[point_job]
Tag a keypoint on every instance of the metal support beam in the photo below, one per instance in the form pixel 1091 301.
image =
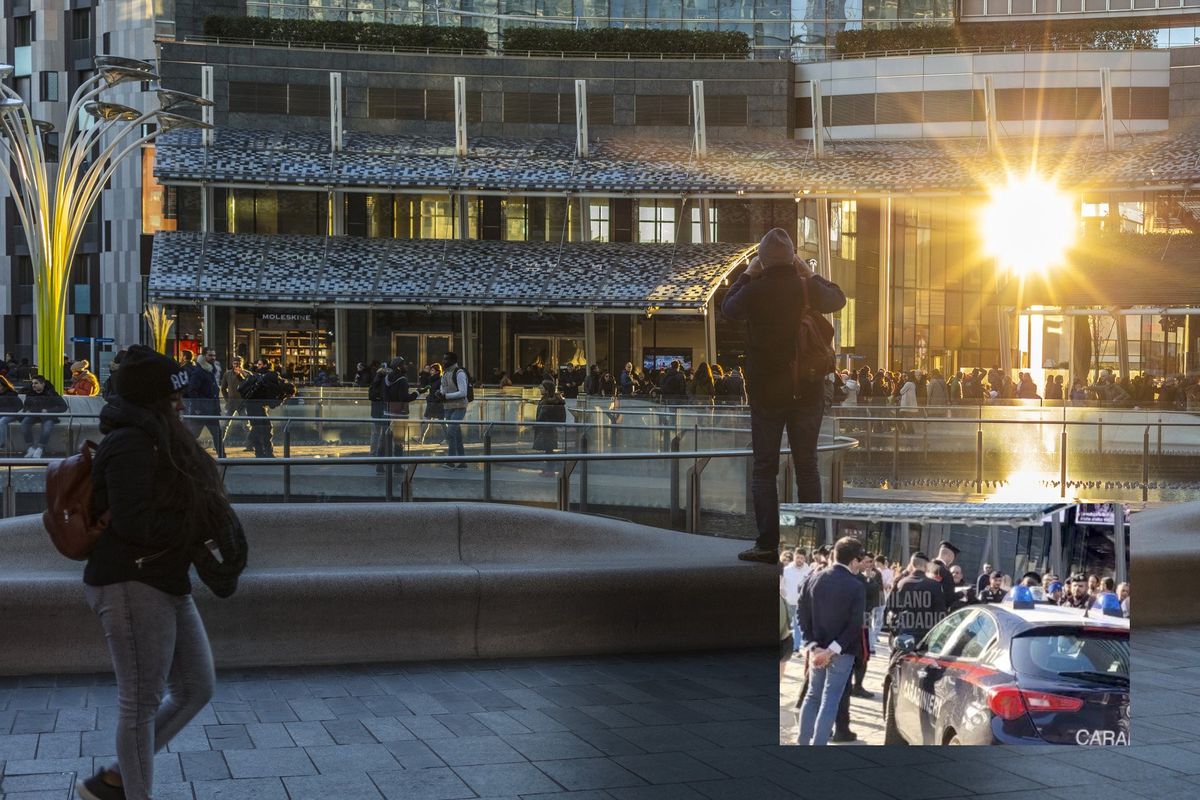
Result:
pixel 336 138
pixel 341 348
pixel 990 115
pixel 589 337
pixel 818 119
pixel 994 544
pixel 581 120
pixel 699 132
pixel 1106 109
pixel 885 283
pixel 710 335
pixel 206 207
pixel 706 231
pixel 1122 342
pixel 462 208
pixel 206 112
pixel 337 213
pixel 1056 555
pixel 1119 542
pixel 1005 338
pixel 460 117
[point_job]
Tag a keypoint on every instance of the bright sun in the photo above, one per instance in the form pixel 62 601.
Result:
pixel 1028 224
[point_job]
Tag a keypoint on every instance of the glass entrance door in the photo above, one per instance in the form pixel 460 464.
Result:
pixel 421 348
pixel 541 353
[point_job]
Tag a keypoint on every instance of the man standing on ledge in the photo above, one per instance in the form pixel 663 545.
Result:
pixel 769 298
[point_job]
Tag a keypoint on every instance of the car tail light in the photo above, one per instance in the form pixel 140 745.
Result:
pixel 1010 702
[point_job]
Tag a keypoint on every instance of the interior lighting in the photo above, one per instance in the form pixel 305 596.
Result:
pixel 1028 225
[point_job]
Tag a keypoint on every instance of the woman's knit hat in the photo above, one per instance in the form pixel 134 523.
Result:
pixel 147 376
pixel 776 249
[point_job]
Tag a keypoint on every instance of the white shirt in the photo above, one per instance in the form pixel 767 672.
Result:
pixel 793 576
pixel 886 574
pixel 908 395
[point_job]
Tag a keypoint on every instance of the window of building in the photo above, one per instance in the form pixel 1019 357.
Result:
pixel 662 109
pixel 81 24
pixel 251 97
pixel 384 102
pixel 23 31
pixel 843 228
pixel 49 87
pixel 656 221
pixel 697 231
pixel 725 109
pixel 439 105
pixel 516 218
pixel 437 217
pixel 24 270
pixel 598 221
pixel 537 108
pixel 308 100
pixel 600 109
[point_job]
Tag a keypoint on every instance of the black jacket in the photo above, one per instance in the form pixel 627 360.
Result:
pixel 395 392
pixel 673 385
pixel 771 306
pixel 916 605
pixel 124 479
pixel 47 402
pixel 10 403
pixel 549 409
pixel 942 574
pixel 831 608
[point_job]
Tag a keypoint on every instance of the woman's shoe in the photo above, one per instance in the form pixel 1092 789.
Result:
pixel 29 452
pixel 37 452
pixel 94 788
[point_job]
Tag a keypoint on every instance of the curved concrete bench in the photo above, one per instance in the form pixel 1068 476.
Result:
pixel 1163 563
pixel 331 583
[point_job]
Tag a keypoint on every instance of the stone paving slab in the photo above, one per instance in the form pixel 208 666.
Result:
pixel 696 725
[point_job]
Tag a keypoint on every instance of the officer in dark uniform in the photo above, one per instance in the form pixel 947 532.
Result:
pixel 994 593
pixel 1077 597
pixel 918 601
pixel 941 571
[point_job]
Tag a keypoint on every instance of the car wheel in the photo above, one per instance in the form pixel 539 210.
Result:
pixel 891 734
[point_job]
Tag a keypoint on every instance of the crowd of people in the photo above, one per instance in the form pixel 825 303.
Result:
pixel 916 388
pixel 837 602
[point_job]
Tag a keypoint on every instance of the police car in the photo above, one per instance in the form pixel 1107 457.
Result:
pixel 1019 672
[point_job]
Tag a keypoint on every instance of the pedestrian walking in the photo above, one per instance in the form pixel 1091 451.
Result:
pixel 551 408
pixel 455 395
pixel 777 295
pixel 234 405
pixel 164 496
pixel 203 392
pixel 395 397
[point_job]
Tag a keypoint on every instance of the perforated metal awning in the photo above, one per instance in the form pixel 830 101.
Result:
pixel 349 271
pixel 1012 515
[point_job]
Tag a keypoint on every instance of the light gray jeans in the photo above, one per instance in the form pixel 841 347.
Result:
pixel 156 640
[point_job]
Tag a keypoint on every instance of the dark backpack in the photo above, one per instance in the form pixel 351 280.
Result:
pixel 814 358
pixel 68 515
pixel 249 388
pixel 220 559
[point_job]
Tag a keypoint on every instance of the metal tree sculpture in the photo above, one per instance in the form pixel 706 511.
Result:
pixel 160 326
pixel 55 202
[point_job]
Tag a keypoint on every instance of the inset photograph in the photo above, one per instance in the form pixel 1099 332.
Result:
pixel 954 624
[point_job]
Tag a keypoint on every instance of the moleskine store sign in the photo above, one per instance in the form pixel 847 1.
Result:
pixel 286 320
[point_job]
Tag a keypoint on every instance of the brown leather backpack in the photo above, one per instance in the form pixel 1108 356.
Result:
pixel 814 358
pixel 68 516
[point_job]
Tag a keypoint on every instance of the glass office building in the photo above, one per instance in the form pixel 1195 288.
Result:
pixel 799 29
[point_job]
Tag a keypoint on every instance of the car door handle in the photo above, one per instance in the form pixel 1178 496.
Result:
pixel 933 669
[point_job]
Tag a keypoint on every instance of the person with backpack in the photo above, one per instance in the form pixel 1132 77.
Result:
pixel 42 398
pixel 455 393
pixel 789 351
pixel 264 389
pixel 552 407
pixel 394 397
pixel 164 501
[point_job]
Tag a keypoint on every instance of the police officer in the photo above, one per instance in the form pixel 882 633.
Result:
pixel 1078 596
pixel 940 570
pixel 918 601
pixel 994 591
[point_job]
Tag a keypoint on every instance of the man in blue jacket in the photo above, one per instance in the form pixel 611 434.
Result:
pixel 830 614
pixel 769 298
pixel 203 395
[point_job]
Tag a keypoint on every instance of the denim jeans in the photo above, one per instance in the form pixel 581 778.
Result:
pixel 4 423
pixel 155 640
pixel 454 437
pixel 47 428
pixel 796 637
pixel 876 625
pixel 825 689
pixel 803 426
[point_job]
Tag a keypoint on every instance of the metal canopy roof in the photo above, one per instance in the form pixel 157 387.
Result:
pixel 349 271
pixel 1012 515
pixel 374 162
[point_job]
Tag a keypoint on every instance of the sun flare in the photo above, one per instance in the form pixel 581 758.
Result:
pixel 1028 224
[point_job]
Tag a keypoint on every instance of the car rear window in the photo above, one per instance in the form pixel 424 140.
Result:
pixel 1049 653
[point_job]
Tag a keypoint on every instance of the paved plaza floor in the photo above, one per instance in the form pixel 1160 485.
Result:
pixel 592 728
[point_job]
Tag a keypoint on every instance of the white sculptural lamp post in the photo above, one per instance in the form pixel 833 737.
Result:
pixel 55 201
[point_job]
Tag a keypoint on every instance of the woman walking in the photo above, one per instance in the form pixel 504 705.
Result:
pixel 164 495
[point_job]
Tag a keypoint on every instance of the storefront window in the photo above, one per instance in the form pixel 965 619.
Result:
pixel 697 229
pixel 274 212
